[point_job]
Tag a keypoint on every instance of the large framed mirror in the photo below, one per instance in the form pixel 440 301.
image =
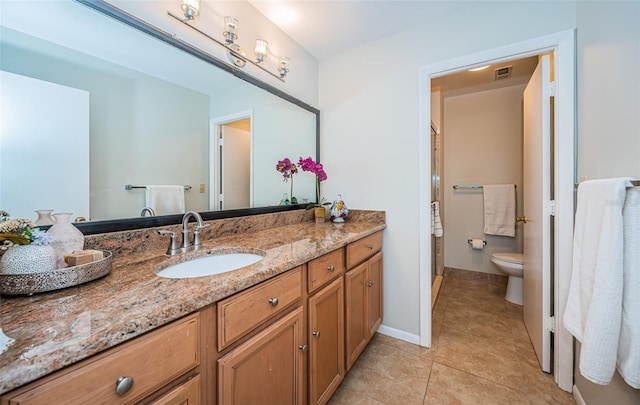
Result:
pixel 101 121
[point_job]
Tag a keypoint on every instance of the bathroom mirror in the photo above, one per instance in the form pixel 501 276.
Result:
pixel 149 122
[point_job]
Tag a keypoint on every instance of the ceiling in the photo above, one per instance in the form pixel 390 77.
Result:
pixel 328 27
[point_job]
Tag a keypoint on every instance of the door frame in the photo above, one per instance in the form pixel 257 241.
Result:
pixel 215 125
pixel 563 44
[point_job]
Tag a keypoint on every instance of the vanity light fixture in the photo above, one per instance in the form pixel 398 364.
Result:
pixel 190 8
pixel 283 67
pixel 235 53
pixel 230 29
pixel 261 50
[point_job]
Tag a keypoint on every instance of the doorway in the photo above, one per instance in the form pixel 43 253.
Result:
pixel 230 179
pixel 563 178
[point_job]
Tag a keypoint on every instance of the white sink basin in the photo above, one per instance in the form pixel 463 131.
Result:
pixel 210 265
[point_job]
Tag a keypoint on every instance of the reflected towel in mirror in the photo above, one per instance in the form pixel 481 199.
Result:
pixel 165 200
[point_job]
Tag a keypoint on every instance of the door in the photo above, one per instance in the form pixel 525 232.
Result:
pixel 46 119
pixel 326 341
pixel 536 207
pixel 235 167
pixel 267 369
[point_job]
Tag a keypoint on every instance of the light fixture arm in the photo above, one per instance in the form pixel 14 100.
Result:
pixel 231 50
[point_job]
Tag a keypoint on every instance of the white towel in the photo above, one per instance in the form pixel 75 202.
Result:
pixel 629 345
pixel 594 305
pixel 165 200
pixel 436 224
pixel 499 209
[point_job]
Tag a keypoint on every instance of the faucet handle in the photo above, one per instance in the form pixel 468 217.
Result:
pixel 173 248
pixel 196 235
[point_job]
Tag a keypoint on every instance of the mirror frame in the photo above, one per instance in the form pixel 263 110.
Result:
pixel 106 226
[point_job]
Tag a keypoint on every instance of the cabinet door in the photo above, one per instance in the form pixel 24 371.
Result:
pixel 357 331
pixel 374 294
pixel 326 341
pixel 187 393
pixel 266 369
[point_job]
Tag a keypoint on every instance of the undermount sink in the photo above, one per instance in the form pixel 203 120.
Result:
pixel 215 263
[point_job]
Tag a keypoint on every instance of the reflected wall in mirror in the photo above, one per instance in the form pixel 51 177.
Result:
pixel 152 117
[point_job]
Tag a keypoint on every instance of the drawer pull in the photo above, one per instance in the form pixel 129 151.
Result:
pixel 123 385
pixel 370 283
pixel 370 247
pixel 303 347
pixel 316 334
pixel 273 301
pixel 331 268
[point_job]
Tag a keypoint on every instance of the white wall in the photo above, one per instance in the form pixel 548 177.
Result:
pixel 369 102
pixel 482 135
pixel 608 122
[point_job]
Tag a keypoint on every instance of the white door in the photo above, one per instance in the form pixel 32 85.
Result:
pixel 537 238
pixel 235 145
pixel 47 119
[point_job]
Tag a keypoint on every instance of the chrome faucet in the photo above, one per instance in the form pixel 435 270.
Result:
pixel 148 210
pixel 186 243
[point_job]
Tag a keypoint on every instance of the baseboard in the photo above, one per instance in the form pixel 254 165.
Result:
pixel 399 334
pixel 577 396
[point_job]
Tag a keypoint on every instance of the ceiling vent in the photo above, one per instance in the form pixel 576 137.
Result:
pixel 502 73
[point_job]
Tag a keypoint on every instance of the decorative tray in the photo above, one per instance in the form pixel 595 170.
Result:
pixel 18 284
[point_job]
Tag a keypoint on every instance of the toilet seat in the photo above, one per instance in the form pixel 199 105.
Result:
pixel 515 258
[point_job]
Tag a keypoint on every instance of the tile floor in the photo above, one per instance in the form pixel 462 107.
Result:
pixel 481 354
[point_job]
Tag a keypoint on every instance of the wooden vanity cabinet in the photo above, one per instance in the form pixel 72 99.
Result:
pixel 268 368
pixel 326 325
pixel 262 343
pixel 363 294
pixel 287 340
pixel 150 362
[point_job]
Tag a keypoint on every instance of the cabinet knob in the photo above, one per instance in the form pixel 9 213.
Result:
pixel 370 247
pixel 304 348
pixel 316 334
pixel 273 301
pixel 370 283
pixel 123 385
pixel 331 268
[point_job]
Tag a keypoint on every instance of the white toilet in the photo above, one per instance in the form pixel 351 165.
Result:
pixel 511 265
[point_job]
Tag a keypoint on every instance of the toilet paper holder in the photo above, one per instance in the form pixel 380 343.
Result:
pixel 470 241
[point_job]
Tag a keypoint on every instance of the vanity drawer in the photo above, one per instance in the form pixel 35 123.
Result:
pixel 241 313
pixel 364 248
pixel 325 268
pixel 152 360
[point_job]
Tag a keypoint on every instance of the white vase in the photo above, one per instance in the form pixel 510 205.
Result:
pixel 25 259
pixel 66 238
pixel 44 217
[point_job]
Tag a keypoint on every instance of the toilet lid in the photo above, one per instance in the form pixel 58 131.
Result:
pixel 510 257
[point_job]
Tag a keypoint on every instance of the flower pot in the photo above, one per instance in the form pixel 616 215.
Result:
pixel 319 214
pixel 25 259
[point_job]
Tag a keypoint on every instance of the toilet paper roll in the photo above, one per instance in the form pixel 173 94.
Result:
pixel 477 244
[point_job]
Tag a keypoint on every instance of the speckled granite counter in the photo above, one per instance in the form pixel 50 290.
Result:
pixel 51 330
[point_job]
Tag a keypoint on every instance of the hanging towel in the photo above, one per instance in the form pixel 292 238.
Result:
pixel 629 346
pixel 165 200
pixel 500 209
pixel 594 305
pixel 436 224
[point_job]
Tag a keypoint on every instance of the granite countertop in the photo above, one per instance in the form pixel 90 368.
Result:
pixel 47 331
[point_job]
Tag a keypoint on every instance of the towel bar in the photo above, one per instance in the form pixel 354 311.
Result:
pixel 456 187
pixel 130 187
